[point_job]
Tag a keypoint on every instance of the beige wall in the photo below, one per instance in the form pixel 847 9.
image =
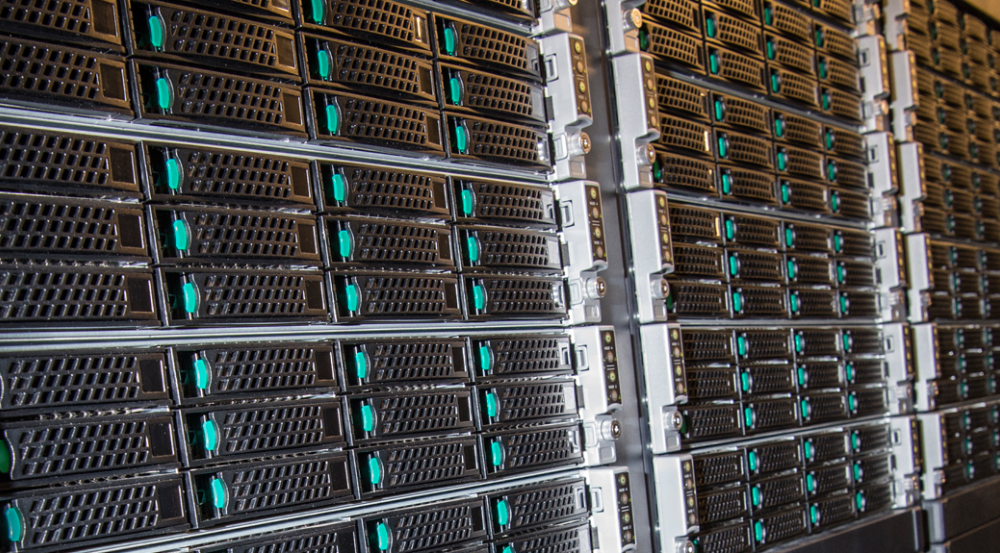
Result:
pixel 990 7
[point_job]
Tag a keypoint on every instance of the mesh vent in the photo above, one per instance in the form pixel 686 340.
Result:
pixel 788 21
pixel 78 514
pixel 824 407
pixel 251 369
pixel 730 539
pixel 722 468
pixel 807 238
pixel 812 302
pixel 518 403
pixel 479 44
pixel 792 86
pixel 754 265
pixel 677 133
pixel 492 94
pixel 764 344
pixel 765 379
pixel 838 73
pixel 61 448
pixel 512 356
pixel 839 9
pixel 404 361
pixel 751 185
pixel 260 427
pixel 65 162
pixel 752 230
pixel 516 297
pixel 674 12
pixel 533 446
pixel 747 8
pixel 879 496
pixel 501 201
pixel 702 422
pixel 250 295
pixel 785 525
pixel 257 488
pixel 381 189
pixel 817 342
pixel 777 456
pixel 219 40
pixel 516 8
pixel 819 374
pixel 362 67
pixel 341 538
pixel 701 345
pixel 678 96
pixel 671 46
pixel 560 540
pixel 760 301
pixel 827 447
pixel 734 31
pixel 780 491
pixel 228 175
pixel 683 171
pixel 712 383
pixel 800 162
pixel 743 149
pixel 803 195
pixel 81 21
pixel 869 469
pixel 833 510
pixel 855 243
pixel 841 104
pixel 398 295
pixel 38 224
pixel 738 112
pixel 847 173
pixel 831 478
pixel 795 128
pixel 695 223
pixel 387 243
pixel 236 234
pixel 738 68
pixel 64 77
pixel 51 381
pixel 379 20
pixel 498 141
pixel 869 401
pixel 855 205
pixel 220 99
pixel 419 463
pixel 790 53
pixel 52 294
pixel 541 505
pixel 719 505
pixel 376 122
pixel 691 260
pixel 694 298
pixel 409 414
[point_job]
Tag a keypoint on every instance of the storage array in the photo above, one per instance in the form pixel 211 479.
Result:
pixel 945 120
pixel 289 276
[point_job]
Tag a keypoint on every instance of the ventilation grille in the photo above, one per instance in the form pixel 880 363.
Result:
pixel 777 456
pixel 722 505
pixel 743 113
pixel 79 514
pixel 780 491
pixel 782 526
pixel 759 301
pixel 419 464
pixel 250 295
pixel 808 238
pixel 706 344
pixel 515 356
pixel 827 447
pixel 712 470
pixel 869 401
pixel 703 422
pixel 81 21
pixel 560 540
pixel 100 444
pixel 376 122
pixel 753 230
pixel 730 539
pixel 675 12
pixel 379 20
pixel 679 133
pixel 517 297
pixel 209 98
pixel 680 97
pixel 491 47
pixel 39 224
pixel 735 32
pixel 517 403
pixel 803 195
pixel 739 69
pixel 228 175
pixel 813 303
pixel 834 510
pixel 515 8
pixel 824 407
pixel 847 173
pixel 66 162
pixel 842 104
pixel 58 76
pixel 51 381
pixel 399 295
pixel 751 185
pixel 404 361
pixel 765 379
pixel 691 260
pixel 764 344
pixel 500 201
pixel 800 162
pixel 380 189
pixel 341 538
pixel 754 265
pixel 387 243
pixel 534 446
pixel 851 204
pixel 711 383
pixel 831 478
pixel 683 171
pixel 672 46
pixel 542 505
pixel 743 149
pixel 697 299
pixel 809 269
pixel 279 426
pixel 492 94
pixel 502 142
pixel 236 234
pixel 75 295
pixel 790 54
pixel 695 223
pixel 412 414
pixel 794 128
pixel 788 21
pixel 362 67
pixel 251 369
pixel 792 86
pixel 771 414
pixel 819 374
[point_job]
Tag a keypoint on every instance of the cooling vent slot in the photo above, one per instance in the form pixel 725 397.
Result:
pixel 670 46
pixel 565 538
pixel 711 383
pixel 729 539
pixel 209 99
pixel 732 31
pixel 816 375
pixel 75 295
pixel 762 344
pixel 698 261
pixel 838 73
pixel 86 445
pixel 838 9
pixel 856 205
pixel 676 96
pixel 499 296
pixel 697 299
pixel 31 159
pixel 879 496
pixel 746 8
pixel 674 12
pixel 759 302
pixel 382 21
pixel 177 173
pixel 812 303
pixel 740 113
pixel 722 468
pixel 501 202
pixel 873 468
pixel 766 379
pixel 48 381
pixel 63 78
pixel 516 403
pixel 710 421
pixel 804 195
pixel 491 95
pixel 678 133
pixel 788 21
pixel 776 457
pixel 280 484
pixel 753 265
pixel 829 478
pixel 92 23
pixel 868 401
pixel 831 511
pixel 846 173
pixel 701 345
pixel 362 119
pixel 789 53
pixel 719 505
pixel 817 408
pixel 857 303
pixel 43 225
pixel 211 38
pixel 795 128
pixel 747 184
pixel 86 513
pixel 782 526
pixel 387 243
pixel 743 149
pixel 221 372
pixel 840 104
pixel 508 8
pixel 539 505
pixel 364 68
pixel 529 447
pixel 358 187
pixel 340 538
pixel 790 85
pixel 797 161
pixel 779 491
pixel 754 231
pixel 396 295
pixel 253 428
pixel 192 233
pixel 845 143
pixel 683 171
pixel 397 362
pixel 509 249
pixel 766 415
pixel 417 464
pixel 487 47
pixel 523 355
pixel 390 416
pixel 803 237
pixel 809 269
pixel 736 68
pixel 695 223
pixel 496 141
